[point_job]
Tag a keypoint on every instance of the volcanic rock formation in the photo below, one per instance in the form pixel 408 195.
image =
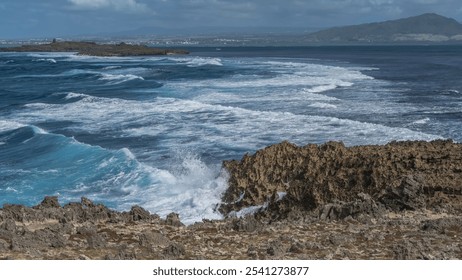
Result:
pixel 398 176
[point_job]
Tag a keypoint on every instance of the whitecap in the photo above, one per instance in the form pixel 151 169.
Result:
pixel 119 78
pixel 50 54
pixel 193 191
pixel 422 121
pixel 51 60
pixel 323 105
pixel 198 61
pixel 10 125
pixel 72 95
pixel 322 88
pixel 112 67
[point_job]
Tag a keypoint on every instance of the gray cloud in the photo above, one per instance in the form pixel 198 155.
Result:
pixel 58 17
pixel 131 6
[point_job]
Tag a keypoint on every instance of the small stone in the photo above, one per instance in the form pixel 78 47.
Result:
pixel 275 248
pixel 174 250
pixel 8 225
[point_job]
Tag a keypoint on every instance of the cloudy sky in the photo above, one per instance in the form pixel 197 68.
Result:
pixel 60 18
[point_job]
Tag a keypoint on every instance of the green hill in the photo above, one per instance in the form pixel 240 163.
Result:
pixel 423 28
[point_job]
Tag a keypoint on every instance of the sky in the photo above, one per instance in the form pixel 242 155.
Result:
pixel 23 19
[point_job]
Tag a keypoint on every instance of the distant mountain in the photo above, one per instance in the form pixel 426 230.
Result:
pixel 426 28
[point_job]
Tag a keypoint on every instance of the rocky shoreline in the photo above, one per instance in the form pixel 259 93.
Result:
pixel 93 49
pixel 402 200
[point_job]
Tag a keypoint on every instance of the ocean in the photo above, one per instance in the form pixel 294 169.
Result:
pixel 153 131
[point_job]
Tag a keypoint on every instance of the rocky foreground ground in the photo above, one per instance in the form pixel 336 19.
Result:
pixel 402 200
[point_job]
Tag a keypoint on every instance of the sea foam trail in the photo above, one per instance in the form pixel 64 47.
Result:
pixel 198 61
pixel 219 126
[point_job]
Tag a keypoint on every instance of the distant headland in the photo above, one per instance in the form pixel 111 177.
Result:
pixel 94 49
pixel 426 28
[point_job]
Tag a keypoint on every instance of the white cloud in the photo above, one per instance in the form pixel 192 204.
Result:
pixel 119 5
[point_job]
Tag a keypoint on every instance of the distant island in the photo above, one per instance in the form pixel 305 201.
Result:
pixel 426 28
pixel 94 49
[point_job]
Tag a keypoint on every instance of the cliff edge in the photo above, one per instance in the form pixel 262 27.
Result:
pixel 397 176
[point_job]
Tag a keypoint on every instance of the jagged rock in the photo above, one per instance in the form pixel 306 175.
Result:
pixel 443 225
pixel 408 195
pixel 247 224
pixel 124 254
pixel 87 202
pixel 84 258
pixel 275 248
pixel 4 245
pixel 174 250
pixel 8 225
pixel 148 239
pixel 39 239
pixel 18 213
pixel 408 250
pixel 90 234
pixel 49 202
pixel 137 213
pixel 173 219
pixel 96 241
pixel 296 248
pixel 364 205
pixel 252 252
pixel 401 175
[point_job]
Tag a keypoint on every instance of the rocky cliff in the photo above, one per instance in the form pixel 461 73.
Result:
pixel 399 176
pixel 402 200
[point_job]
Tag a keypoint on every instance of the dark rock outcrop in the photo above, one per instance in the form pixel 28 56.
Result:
pixel 331 177
pixel 91 48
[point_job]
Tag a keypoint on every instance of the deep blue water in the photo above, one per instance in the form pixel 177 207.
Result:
pixel 154 130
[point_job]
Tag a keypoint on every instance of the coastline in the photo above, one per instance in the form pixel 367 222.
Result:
pixel 401 200
pixel 94 49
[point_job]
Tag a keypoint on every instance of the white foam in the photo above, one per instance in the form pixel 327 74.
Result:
pixel 323 105
pixel 181 120
pixel 50 54
pixel 422 121
pixel 51 60
pixel 119 78
pixel 194 192
pixel 72 95
pixel 112 67
pixel 198 61
pixel 128 153
pixel 322 88
pixel 313 78
pixel 10 125
pixel 453 91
